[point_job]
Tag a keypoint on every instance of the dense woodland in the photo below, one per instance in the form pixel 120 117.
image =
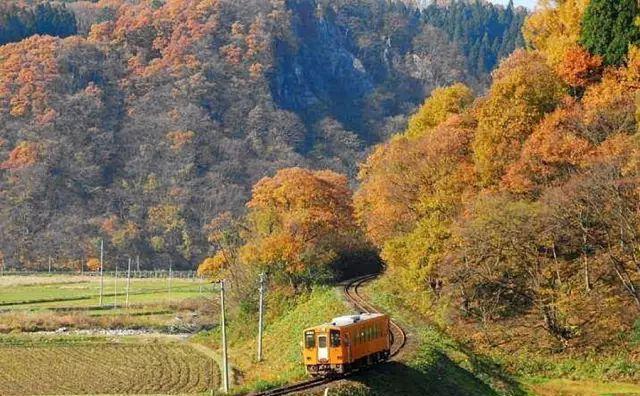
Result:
pixel 515 216
pixel 511 219
pixel 156 117
pixel 19 21
pixel 506 214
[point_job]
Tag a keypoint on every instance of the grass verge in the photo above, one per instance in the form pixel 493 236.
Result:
pixel 282 362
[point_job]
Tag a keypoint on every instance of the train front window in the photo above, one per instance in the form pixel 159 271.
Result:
pixel 322 342
pixel 335 338
pixel 310 339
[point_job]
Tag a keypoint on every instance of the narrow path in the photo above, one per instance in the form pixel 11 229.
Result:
pixel 212 355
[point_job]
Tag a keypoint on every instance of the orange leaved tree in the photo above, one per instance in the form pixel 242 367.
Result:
pixel 93 264
pixel 299 222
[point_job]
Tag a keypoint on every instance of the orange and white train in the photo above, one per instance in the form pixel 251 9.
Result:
pixel 346 343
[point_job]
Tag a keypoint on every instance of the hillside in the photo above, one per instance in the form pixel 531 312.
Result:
pixel 153 117
pixel 510 220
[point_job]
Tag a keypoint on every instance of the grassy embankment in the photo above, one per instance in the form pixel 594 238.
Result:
pixel 441 365
pixel 286 319
pixel 433 365
pixel 35 303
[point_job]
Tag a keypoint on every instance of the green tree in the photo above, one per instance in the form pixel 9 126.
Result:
pixel 608 27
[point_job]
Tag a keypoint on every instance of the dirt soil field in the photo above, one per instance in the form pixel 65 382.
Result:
pixel 134 365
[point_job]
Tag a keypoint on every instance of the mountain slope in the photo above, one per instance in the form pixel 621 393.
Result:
pixel 162 114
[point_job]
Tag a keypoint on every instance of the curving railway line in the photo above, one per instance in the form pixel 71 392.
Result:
pixel 352 293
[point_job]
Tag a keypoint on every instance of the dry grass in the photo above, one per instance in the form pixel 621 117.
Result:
pixel 559 387
pixel 182 316
pixel 26 280
pixel 78 366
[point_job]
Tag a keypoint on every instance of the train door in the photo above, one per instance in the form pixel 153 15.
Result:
pixel 323 347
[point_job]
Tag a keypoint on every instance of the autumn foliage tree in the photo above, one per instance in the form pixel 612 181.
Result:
pixel 555 28
pixel 93 264
pixel 524 89
pixel 579 68
pixel 411 189
pixel 515 217
pixel 299 222
pixel 442 103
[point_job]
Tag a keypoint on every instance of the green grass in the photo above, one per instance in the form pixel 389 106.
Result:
pixel 63 291
pixel 282 352
pixel 49 302
pixel 619 366
pixel 96 365
pixel 438 364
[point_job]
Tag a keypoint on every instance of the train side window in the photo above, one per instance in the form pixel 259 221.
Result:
pixel 335 338
pixel 310 339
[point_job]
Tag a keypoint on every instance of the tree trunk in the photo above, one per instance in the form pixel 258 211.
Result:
pixel 587 276
pixel 627 282
pixel 560 332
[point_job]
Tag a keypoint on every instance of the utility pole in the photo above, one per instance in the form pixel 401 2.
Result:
pixel 115 288
pixel 101 270
pixel 225 363
pixel 49 264
pixel 126 302
pixel 138 263
pixel 170 275
pixel 260 315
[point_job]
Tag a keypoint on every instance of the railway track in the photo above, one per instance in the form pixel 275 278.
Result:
pixel 351 292
pixel 298 387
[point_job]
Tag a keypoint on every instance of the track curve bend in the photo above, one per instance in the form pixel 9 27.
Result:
pixel 352 293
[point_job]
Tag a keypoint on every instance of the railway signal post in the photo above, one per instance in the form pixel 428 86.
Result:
pixel 260 315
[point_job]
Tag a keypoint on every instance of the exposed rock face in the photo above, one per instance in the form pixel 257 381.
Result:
pixel 320 74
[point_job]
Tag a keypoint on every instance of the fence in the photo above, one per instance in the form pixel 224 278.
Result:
pixel 121 273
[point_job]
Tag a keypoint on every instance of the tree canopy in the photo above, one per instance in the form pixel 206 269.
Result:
pixel 152 118
pixel 609 27
pixel 514 216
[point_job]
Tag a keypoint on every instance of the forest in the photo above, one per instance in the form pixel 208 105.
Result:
pixel 142 123
pixel 272 136
pixel 510 219
pixel 515 215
